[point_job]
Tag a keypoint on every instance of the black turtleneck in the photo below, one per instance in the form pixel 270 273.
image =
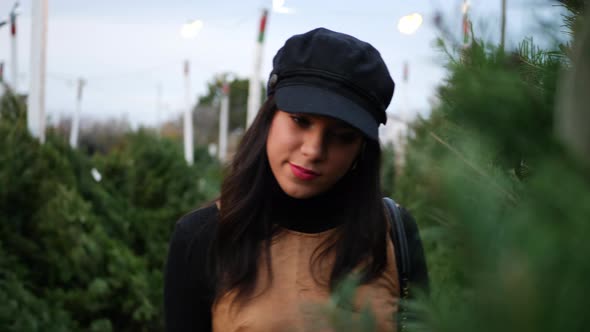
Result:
pixel 311 215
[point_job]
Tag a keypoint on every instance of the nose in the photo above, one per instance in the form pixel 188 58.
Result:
pixel 314 145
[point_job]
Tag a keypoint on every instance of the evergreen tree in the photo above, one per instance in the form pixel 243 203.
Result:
pixel 502 201
pixel 77 254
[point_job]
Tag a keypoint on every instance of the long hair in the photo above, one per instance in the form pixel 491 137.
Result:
pixel 245 228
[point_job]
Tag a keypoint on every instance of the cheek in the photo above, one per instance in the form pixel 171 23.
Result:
pixel 279 141
pixel 343 159
pixel 340 162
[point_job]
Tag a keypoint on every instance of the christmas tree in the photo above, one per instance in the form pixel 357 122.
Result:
pixel 499 180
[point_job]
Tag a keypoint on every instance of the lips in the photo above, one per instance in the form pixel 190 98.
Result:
pixel 303 173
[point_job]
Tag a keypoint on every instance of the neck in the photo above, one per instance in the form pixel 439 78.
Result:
pixel 311 215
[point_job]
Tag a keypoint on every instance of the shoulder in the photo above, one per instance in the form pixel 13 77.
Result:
pixel 404 214
pixel 194 229
pixel 412 230
pixel 410 225
pixel 407 215
pixel 198 220
pixel 191 238
pixel 187 289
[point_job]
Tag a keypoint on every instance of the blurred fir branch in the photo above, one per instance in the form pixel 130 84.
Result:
pixel 82 255
pixel 499 263
pixel 574 15
pixel 572 115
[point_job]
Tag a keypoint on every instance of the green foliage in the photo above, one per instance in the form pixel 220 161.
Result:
pixel 572 20
pixel 76 254
pixel 388 168
pixel 502 204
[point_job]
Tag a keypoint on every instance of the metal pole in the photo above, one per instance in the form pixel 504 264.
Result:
pixel 224 122
pixel 399 143
pixel 406 86
pixel 188 121
pixel 254 89
pixel 158 108
pixel 36 98
pixel 503 26
pixel 466 26
pixel 14 58
pixel 1 79
pixel 76 119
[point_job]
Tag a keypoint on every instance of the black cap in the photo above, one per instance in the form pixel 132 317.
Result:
pixel 333 74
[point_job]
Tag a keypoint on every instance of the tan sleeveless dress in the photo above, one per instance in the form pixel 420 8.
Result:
pixel 291 302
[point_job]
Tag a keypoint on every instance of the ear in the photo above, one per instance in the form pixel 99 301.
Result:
pixel 359 156
pixel 362 150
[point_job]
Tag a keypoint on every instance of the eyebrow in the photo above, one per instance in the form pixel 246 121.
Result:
pixel 334 123
pixel 339 124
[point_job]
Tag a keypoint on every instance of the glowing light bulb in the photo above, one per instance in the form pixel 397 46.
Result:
pixel 191 30
pixel 278 6
pixel 410 23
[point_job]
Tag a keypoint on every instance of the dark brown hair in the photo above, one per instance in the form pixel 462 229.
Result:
pixel 245 228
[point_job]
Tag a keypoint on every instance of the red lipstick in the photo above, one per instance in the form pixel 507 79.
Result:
pixel 303 173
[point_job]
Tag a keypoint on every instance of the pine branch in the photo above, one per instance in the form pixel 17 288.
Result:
pixel 475 168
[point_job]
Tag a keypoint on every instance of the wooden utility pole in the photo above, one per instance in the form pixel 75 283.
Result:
pixel 503 26
pixel 75 128
pixel 188 117
pixel 254 90
pixel 224 121
pixel 36 98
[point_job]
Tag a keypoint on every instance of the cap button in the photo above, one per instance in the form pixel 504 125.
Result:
pixel 273 80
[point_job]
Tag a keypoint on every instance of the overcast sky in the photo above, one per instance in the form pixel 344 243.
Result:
pixel 125 49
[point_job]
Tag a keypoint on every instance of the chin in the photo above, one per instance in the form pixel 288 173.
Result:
pixel 296 191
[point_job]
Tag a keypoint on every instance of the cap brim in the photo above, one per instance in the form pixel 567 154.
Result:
pixel 314 100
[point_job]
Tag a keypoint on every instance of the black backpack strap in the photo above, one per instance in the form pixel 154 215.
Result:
pixel 400 245
pixel 409 252
pixel 409 255
pixel 418 278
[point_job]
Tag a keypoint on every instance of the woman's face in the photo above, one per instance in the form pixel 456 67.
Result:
pixel 308 154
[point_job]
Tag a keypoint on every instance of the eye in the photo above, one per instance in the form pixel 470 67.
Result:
pixel 300 120
pixel 346 137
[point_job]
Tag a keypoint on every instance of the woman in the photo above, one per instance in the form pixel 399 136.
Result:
pixel 301 208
